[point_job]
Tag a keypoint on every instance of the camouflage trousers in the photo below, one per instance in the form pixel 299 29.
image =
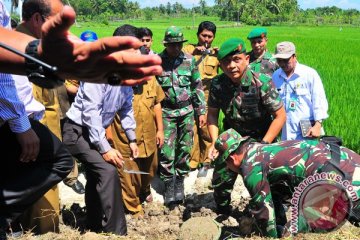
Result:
pixel 223 183
pixel 178 139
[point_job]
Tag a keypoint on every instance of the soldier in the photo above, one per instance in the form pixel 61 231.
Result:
pixel 251 105
pixel 261 60
pixel 181 83
pixel 287 165
pixel 208 65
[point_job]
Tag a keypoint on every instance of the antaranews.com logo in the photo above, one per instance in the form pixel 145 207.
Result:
pixel 321 203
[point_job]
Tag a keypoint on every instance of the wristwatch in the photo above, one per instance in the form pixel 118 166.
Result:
pixel 320 121
pixel 37 73
pixel 264 142
pixel 132 141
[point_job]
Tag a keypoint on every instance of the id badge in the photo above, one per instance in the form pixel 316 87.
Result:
pixel 292 104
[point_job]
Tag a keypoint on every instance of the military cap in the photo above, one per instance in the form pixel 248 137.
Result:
pixel 88 36
pixel 173 34
pixel 231 46
pixel 284 50
pixel 227 143
pixel 257 33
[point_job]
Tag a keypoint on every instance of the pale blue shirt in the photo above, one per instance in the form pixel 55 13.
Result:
pixel 304 87
pixel 95 106
pixel 12 110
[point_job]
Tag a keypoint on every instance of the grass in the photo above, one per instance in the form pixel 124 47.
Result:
pixel 332 51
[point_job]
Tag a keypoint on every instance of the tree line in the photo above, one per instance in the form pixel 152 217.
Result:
pixel 249 12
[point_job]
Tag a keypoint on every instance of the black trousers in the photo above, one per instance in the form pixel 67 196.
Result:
pixel 104 204
pixel 22 184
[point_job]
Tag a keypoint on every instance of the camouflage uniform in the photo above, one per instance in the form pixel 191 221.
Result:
pixel 181 83
pixel 208 66
pixel 266 168
pixel 265 64
pixel 247 109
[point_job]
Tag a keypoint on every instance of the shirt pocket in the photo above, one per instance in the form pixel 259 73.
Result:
pixel 210 67
pixel 165 80
pixel 184 79
pixel 302 91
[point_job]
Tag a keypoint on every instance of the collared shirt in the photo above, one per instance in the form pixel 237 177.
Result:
pixel 248 107
pixel 305 92
pixel 95 107
pixel 146 96
pixel 265 64
pixel 12 110
pixel 181 82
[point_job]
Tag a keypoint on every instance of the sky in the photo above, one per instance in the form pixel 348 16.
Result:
pixel 304 4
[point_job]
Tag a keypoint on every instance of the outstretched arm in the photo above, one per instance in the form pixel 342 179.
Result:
pixel 75 59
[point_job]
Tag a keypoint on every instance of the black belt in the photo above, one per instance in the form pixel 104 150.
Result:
pixel 170 105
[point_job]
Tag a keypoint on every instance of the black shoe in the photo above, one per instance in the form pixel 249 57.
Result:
pixel 179 189
pixel 169 195
pixel 78 187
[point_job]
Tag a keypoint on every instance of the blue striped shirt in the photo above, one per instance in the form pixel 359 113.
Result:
pixel 95 106
pixel 12 110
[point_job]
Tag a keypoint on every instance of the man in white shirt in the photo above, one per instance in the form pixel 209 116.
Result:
pixel 303 94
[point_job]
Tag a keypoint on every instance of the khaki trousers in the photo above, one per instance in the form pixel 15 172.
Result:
pixel 134 185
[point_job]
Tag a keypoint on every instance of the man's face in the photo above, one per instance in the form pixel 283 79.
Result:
pixel 37 20
pixel 234 66
pixel 205 38
pixel 173 49
pixel 147 41
pixel 258 45
pixel 287 65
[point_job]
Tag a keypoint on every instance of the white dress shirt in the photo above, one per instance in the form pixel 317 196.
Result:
pixel 305 91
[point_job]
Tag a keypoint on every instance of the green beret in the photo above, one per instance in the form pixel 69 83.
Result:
pixel 227 143
pixel 232 45
pixel 257 33
pixel 173 34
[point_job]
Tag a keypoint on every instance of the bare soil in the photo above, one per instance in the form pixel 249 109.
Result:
pixel 191 220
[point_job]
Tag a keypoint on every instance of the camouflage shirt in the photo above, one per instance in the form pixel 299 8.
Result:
pixel 265 64
pixel 247 107
pixel 265 166
pixel 181 82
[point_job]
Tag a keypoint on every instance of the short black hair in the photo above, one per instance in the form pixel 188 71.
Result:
pixel 126 30
pixel 30 7
pixel 207 25
pixel 144 32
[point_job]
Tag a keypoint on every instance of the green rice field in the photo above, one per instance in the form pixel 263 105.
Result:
pixel 333 51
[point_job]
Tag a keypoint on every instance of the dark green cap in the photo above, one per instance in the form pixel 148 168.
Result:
pixel 257 33
pixel 231 46
pixel 173 34
pixel 227 143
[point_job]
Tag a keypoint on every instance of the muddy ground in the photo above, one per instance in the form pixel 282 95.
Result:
pixel 195 219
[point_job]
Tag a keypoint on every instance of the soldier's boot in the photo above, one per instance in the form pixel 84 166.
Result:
pixel 169 195
pixel 179 189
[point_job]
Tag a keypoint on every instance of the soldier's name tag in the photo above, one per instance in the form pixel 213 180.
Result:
pixel 292 104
